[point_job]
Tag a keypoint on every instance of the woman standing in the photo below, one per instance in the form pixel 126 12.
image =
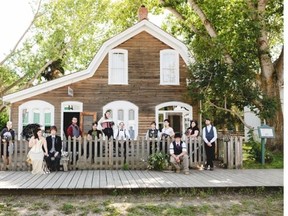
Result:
pixel 193 130
pixel 106 124
pixel 36 153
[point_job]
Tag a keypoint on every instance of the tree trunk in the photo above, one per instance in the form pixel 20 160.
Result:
pixel 269 78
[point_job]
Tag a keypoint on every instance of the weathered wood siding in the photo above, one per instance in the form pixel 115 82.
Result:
pixel 144 89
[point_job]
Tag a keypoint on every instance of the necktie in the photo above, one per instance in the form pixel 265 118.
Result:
pixel 53 143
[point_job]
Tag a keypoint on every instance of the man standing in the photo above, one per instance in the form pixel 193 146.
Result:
pixel 54 145
pixel 73 130
pixel 209 137
pixel 178 154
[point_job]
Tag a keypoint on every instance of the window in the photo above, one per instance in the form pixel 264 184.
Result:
pixel 127 112
pixel 169 67
pixel 121 115
pixel 36 116
pixel 118 67
pixel 36 111
pixel 131 115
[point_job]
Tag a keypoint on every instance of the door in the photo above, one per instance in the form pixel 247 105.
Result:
pixel 175 121
pixel 67 120
pixel 86 120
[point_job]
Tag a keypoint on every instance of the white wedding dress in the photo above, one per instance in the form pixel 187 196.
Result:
pixel 37 155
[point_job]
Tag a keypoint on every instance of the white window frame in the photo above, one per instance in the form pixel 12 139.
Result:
pixel 187 113
pixel 176 66
pixel 31 106
pixel 110 64
pixel 126 106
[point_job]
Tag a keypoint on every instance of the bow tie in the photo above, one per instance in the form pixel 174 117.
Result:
pixel 121 129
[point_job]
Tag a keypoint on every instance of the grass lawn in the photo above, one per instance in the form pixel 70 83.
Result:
pixel 277 162
pixel 189 202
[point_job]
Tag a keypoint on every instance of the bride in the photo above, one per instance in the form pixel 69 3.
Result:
pixel 36 153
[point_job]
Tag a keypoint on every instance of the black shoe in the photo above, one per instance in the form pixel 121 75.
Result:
pixel 205 168
pixel 211 169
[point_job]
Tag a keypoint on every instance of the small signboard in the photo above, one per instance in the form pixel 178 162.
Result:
pixel 70 91
pixel 266 131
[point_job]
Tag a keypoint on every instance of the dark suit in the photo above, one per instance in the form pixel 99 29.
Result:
pixel 53 162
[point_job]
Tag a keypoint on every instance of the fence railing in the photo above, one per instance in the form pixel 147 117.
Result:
pixel 118 154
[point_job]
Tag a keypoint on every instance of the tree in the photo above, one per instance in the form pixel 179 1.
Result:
pixel 231 42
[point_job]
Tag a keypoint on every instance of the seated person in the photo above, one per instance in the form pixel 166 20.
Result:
pixel 54 146
pixel 178 154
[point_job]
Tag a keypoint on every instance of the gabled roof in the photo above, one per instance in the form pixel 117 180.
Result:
pixel 141 26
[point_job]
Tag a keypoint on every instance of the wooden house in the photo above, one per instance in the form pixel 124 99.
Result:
pixel 140 74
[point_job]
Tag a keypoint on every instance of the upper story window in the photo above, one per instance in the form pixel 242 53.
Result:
pixel 118 67
pixel 169 67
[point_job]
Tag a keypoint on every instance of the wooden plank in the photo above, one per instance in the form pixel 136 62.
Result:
pixel 132 182
pixel 74 180
pixel 102 180
pixel 4 174
pixel 68 179
pixel 145 182
pixel 89 179
pixel 8 180
pixel 170 179
pixel 96 179
pixel 60 180
pixel 117 180
pixel 23 177
pixel 147 179
pixel 32 180
pixel 124 179
pixel 110 179
pixel 82 179
pixel 137 179
pixel 49 180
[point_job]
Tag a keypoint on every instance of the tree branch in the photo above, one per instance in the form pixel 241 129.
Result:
pixel 177 15
pixel 23 35
pixel 209 27
pixel 232 112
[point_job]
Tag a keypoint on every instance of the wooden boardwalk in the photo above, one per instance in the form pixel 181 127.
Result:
pixel 101 180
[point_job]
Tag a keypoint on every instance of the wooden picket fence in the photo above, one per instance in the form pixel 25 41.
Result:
pixel 120 154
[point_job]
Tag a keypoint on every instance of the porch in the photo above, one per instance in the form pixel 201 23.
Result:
pixel 109 181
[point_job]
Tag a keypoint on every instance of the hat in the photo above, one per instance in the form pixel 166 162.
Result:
pixel 177 135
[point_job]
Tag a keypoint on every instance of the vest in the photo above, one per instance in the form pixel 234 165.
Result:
pixel 153 133
pixel 124 130
pixel 178 150
pixel 76 131
pixel 210 134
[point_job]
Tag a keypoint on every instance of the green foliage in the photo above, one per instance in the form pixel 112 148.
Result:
pixel 3 119
pixel 254 150
pixel 158 161
pixel 67 208
pixel 125 166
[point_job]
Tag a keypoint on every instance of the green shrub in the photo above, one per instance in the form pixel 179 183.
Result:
pixel 158 161
pixel 254 150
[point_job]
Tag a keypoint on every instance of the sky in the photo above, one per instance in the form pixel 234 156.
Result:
pixel 15 17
